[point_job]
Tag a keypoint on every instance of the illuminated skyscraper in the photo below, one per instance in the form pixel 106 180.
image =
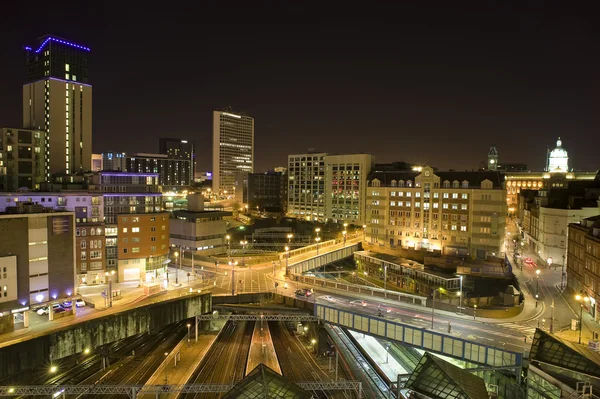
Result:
pixel 233 148
pixel 57 99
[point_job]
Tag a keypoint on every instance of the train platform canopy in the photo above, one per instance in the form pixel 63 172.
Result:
pixel 262 382
pixel 436 378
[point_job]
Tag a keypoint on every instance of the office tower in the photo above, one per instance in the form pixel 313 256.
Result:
pixel 22 159
pixel 178 149
pixel 306 186
pixel 233 149
pixel 57 99
pixel 346 187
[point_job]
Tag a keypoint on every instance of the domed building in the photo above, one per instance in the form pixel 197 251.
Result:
pixel 558 159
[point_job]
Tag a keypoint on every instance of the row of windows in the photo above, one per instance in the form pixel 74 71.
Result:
pixel 93 231
pixel 137 229
pixel 137 249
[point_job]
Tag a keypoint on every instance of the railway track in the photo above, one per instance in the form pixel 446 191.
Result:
pixel 80 369
pixel 294 360
pixel 225 362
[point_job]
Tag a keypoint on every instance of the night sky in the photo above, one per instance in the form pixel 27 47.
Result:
pixel 429 85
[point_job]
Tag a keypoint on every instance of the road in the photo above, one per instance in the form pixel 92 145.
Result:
pixel 260 278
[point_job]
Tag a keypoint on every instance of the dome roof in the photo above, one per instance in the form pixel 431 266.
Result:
pixel 558 159
pixel 558 152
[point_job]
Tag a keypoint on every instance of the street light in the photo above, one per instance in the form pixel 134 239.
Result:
pixel 549 261
pixel 537 285
pixel 581 299
pixel 460 295
pixel 364 231
pixel 317 240
pixel 166 370
pixel 188 334
pixel 344 234
pixel 243 243
pixel 287 257
pixel 433 307
pixel 86 351
pixel 53 369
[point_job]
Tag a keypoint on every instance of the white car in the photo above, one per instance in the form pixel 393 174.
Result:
pixel 55 308
pixel 80 303
pixel 359 303
pixel 327 298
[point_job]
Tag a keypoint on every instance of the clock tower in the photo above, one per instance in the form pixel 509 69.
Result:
pixel 492 159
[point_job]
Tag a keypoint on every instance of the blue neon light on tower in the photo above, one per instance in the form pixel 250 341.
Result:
pixel 57 98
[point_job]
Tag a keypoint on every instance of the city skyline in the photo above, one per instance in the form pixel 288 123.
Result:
pixel 515 79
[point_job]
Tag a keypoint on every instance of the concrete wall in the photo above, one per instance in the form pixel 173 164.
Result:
pixel 98 332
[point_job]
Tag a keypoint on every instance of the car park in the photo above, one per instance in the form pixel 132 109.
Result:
pixel 56 308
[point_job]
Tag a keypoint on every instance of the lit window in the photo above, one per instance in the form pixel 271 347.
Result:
pixel 66 76
pixel 67 67
pixel 464 207
pixel 74 77
pixel 463 228
pixel 135 229
pixel 124 229
pixel 445 195
pixel 465 196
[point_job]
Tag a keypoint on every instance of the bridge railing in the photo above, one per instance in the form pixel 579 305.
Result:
pixel 295 272
pixel 361 289
pixel 421 338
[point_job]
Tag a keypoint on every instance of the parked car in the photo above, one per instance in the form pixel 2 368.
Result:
pixel 80 303
pixel 56 308
pixel 67 304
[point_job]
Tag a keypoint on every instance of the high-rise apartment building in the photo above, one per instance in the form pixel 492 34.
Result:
pixel 179 149
pixel 457 213
pixel 306 186
pixel 233 149
pixel 173 173
pixel 22 159
pixel 346 187
pixel 57 99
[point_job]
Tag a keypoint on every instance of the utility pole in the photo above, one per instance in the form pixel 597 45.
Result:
pixel 433 308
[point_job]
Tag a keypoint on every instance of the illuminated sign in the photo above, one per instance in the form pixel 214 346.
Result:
pixel 232 115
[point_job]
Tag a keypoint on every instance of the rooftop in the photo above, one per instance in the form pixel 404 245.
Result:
pixel 262 382
pixel 473 177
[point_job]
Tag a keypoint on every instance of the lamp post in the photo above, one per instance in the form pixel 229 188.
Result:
pixel 581 299
pixel 384 280
pixel 433 308
pixel 344 234
pixel 166 370
pixel 552 317
pixel 549 261
pixel 233 265
pixel 460 295
pixel 563 274
pixel 364 231
pixel 474 311
pixel 317 240
pixel 537 285
pixel 188 334
pixel 228 238
pixel 243 243
pixel 287 257
pixel 180 261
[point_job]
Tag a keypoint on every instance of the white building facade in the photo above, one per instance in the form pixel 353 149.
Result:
pixel 233 149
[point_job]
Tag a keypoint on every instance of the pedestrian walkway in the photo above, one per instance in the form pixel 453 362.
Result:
pixel 183 360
